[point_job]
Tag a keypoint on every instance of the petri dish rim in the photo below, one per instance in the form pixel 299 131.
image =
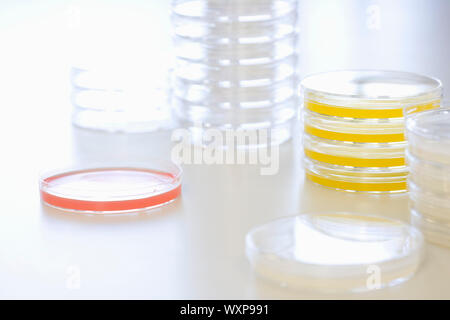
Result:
pixel 413 231
pixel 433 231
pixel 413 127
pixel 417 194
pixel 422 161
pixel 436 88
pixel 131 195
pixel 52 174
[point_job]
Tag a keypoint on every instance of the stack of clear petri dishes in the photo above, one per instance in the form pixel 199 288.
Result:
pixel 120 99
pixel 354 127
pixel 235 65
pixel 428 157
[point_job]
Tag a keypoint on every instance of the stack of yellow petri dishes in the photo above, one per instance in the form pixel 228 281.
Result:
pixel 428 157
pixel 354 127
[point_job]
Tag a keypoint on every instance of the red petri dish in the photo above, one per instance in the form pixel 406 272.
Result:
pixel 111 189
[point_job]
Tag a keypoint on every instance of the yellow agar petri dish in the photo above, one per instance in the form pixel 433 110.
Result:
pixel 354 126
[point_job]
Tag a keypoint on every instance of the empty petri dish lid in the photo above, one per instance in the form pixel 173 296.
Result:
pixel 114 188
pixel 428 135
pixel 335 252
pixel 371 84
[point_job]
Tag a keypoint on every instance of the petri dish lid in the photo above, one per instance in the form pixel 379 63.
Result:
pixel 428 135
pixel 335 252
pixel 431 125
pixel 371 84
pixel 113 188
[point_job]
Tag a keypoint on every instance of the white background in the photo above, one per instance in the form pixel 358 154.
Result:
pixel 194 247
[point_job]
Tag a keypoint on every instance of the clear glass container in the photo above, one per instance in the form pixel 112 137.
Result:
pixel 236 65
pixel 335 252
pixel 354 126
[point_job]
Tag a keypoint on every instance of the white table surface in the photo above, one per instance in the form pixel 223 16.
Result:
pixel 192 248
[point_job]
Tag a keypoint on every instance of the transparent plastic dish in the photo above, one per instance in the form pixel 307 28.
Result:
pixel 435 206
pixel 355 130
pixel 428 135
pixel 357 179
pixel 429 175
pixel 335 252
pixel 120 99
pixel 435 231
pixel 114 188
pixel 354 154
pixel 235 67
pixel 372 90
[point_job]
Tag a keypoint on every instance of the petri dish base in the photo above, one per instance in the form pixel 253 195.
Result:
pixel 435 231
pixel 335 252
pixel 111 189
pixel 356 179
pixel 428 157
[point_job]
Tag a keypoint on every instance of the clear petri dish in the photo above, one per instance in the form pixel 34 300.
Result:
pixel 114 188
pixel 120 99
pixel 435 231
pixel 335 252
pixel 435 206
pixel 431 176
pixel 428 135
pixel 428 157
pixel 357 179
pixel 235 67
pixel 354 154
pixel 354 130
pixel 372 93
